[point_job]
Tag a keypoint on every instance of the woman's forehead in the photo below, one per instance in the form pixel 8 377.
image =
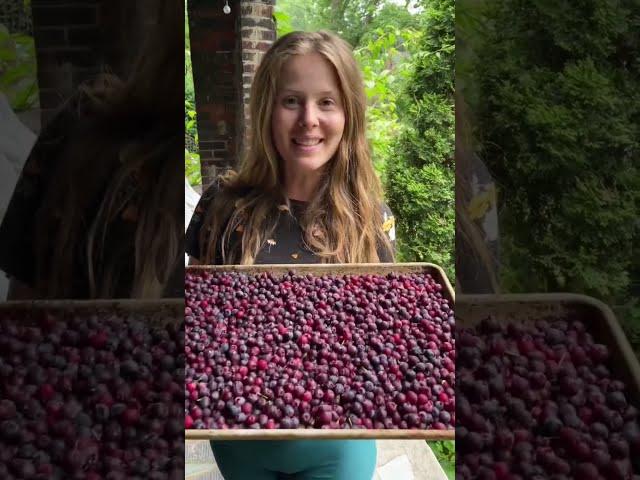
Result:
pixel 309 73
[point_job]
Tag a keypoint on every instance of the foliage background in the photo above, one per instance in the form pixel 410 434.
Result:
pixel 445 452
pixel 191 157
pixel 18 71
pixel 555 98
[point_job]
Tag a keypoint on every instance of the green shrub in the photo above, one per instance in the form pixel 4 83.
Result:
pixel 445 452
pixel 18 79
pixel 420 170
pixel 556 97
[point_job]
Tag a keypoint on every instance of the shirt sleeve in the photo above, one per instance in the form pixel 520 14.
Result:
pixel 17 241
pixel 389 227
pixel 192 237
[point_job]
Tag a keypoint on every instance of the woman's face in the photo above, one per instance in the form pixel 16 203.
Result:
pixel 308 118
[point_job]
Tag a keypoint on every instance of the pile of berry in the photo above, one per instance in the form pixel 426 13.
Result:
pixel 542 401
pixel 90 397
pixel 304 351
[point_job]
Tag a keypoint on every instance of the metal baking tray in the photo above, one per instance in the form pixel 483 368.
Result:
pixel 597 317
pixel 311 433
pixel 154 312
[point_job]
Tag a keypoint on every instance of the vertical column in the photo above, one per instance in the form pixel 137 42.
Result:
pixel 215 58
pixel 64 35
pixel 257 33
pixel 225 51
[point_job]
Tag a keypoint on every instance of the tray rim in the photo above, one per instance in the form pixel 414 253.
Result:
pixel 617 333
pixel 100 303
pixel 317 434
pixel 329 266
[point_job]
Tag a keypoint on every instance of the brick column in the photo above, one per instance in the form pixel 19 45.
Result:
pixel 257 32
pixel 225 50
pixel 64 35
pixel 77 39
pixel 214 59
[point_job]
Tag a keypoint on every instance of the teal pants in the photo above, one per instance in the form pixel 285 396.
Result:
pixel 296 459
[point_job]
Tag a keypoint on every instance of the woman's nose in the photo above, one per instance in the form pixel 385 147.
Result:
pixel 308 116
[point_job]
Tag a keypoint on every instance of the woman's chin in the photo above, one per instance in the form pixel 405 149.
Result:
pixel 306 165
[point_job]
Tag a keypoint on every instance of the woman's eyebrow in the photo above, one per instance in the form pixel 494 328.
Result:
pixel 298 92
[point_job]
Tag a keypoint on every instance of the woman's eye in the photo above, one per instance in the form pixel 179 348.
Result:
pixel 290 101
pixel 327 102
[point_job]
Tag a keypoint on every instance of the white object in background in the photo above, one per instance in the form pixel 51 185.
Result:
pixel 397 469
pixel 199 461
pixel 424 464
pixel 191 199
pixel 4 286
pixel 8 180
pixel 200 471
pixel 16 141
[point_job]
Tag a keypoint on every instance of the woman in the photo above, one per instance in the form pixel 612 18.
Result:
pixel 305 192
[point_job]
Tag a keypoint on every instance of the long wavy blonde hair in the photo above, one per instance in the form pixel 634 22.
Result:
pixel 343 222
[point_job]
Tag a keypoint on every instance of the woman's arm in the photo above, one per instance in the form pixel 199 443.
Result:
pixel 192 235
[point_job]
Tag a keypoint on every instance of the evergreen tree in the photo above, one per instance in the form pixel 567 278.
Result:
pixel 420 174
pixel 556 95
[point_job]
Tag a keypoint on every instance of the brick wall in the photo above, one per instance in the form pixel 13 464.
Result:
pixel 75 40
pixel 225 51
pixel 257 33
pixel 64 33
pixel 214 56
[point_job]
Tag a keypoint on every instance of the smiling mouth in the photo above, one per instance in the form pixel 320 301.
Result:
pixel 307 142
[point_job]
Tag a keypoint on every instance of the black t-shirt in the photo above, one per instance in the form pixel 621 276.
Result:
pixel 287 243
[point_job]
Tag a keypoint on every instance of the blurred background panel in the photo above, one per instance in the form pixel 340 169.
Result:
pixel 91 388
pixel 547 235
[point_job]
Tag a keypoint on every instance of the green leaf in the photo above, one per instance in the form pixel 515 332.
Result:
pixel 8 53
